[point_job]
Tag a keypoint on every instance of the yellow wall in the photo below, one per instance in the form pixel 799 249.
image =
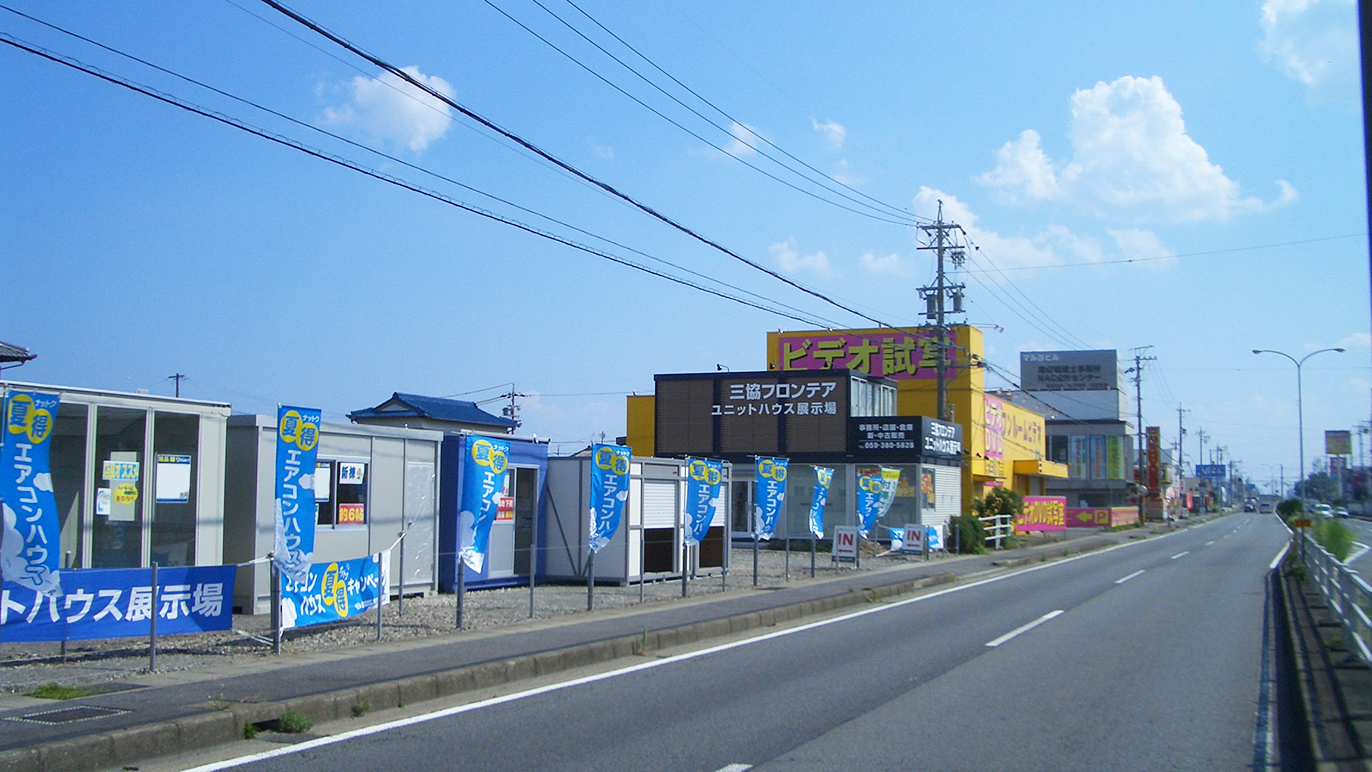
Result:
pixel 640 427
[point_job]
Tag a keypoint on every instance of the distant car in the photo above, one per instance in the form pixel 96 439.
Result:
pixel 1265 508
pixel 1340 512
pixel 1323 510
pixel 1249 506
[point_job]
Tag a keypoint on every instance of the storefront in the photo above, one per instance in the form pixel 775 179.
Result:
pixel 839 419
pixel 370 483
pixel 138 478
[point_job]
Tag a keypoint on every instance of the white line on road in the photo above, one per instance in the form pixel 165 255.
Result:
pixel 735 768
pixel 1131 576
pixel 1025 628
pixel 1362 549
pixel 665 661
pixel 1209 543
pixel 1277 559
pixel 1181 554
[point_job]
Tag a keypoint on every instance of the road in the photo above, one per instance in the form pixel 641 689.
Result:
pixel 1149 656
pixel 1361 558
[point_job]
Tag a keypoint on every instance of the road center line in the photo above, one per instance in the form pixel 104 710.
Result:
pixel 1131 576
pixel 1181 554
pixel 1209 543
pixel 1024 629
pixel 735 768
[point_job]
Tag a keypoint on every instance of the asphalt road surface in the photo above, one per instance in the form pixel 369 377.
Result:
pixel 1360 559
pixel 1150 656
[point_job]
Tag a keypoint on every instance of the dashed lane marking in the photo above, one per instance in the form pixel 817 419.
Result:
pixel 1025 628
pixel 1127 578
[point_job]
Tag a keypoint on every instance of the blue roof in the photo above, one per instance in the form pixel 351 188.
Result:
pixel 438 408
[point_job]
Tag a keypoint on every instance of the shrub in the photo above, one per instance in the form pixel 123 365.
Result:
pixel 1290 508
pixel 966 535
pixel 1333 536
pixel 294 722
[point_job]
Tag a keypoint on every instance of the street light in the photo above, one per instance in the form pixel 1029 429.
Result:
pixel 1300 411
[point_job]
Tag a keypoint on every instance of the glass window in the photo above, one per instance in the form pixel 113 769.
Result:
pixel 67 457
pixel 800 493
pixel 340 492
pixel 117 536
pixel 176 440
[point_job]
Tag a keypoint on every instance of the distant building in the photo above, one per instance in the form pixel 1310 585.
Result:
pixel 415 411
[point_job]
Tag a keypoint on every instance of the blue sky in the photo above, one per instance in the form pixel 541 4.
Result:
pixel 1223 138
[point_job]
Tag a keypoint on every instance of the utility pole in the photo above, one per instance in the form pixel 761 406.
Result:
pixel 944 241
pixel 177 377
pixel 1137 370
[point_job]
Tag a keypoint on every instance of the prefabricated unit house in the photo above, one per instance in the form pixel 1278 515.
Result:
pixel 648 544
pixel 371 483
pixel 138 478
pixel 511 551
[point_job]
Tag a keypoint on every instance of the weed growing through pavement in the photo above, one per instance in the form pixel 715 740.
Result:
pixel 361 707
pixel 295 722
pixel 53 691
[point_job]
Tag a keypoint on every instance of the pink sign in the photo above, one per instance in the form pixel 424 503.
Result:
pixel 995 427
pixel 1101 517
pixel 1042 513
pixel 898 355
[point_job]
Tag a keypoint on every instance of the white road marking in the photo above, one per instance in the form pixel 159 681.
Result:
pixel 735 768
pixel 1131 576
pixel 459 709
pixel 1181 554
pixel 1277 560
pixel 1025 628
pixel 1209 543
pixel 1362 549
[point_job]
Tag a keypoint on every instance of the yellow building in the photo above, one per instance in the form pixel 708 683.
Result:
pixel 1005 443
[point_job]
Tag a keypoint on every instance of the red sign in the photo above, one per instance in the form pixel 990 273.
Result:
pixel 1154 477
pixel 352 514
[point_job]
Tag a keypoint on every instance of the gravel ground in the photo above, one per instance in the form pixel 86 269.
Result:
pixel 25 666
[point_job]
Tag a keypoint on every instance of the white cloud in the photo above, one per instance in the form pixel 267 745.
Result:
pixel 1023 172
pixel 745 141
pixel 1135 243
pixel 604 151
pixel 791 261
pixel 887 265
pixel 1132 159
pixel 843 172
pixel 1356 340
pixel 389 109
pixel 1313 41
pixel 833 133
pixel 1003 251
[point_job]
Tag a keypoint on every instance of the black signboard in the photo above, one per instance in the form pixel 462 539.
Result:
pixel 906 436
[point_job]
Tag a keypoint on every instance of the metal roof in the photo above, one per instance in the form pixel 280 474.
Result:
pixel 12 353
pixel 402 405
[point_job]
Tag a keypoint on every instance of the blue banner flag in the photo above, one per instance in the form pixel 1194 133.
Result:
pixel 336 591
pixel 297 443
pixel 483 483
pixel 29 548
pixel 869 496
pixel 769 496
pixel 609 492
pixel 934 538
pixel 823 477
pixel 118 603
pixel 704 481
pixel 897 539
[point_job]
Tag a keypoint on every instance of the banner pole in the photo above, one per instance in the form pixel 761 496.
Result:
pixel 152 625
pixel 533 562
pixel 754 556
pixel 276 607
pixel 590 581
pixel 461 587
pixel 381 592
pixel 685 563
pixel 813 550
pixel 400 585
pixel 788 552
pixel 642 571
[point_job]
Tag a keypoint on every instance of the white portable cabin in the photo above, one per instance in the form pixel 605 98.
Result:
pixel 648 544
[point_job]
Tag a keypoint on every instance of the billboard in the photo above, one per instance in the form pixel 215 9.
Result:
pixel 899 354
pixel 1154 461
pixel 905 436
pixel 1210 471
pixel 1338 442
pixel 739 415
pixel 1042 513
pixel 1068 370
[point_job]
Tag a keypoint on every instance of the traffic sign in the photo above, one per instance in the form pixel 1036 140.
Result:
pixel 1302 522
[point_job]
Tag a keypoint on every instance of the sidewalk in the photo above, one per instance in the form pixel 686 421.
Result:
pixel 141 716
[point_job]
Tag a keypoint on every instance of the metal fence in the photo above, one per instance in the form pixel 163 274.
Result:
pixel 998 528
pixel 1348 596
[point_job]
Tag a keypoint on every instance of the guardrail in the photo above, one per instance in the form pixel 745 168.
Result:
pixel 998 528
pixel 1348 596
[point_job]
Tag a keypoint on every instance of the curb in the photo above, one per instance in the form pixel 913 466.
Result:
pixel 222 727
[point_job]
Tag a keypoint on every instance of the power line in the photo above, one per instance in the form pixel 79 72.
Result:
pixel 825 181
pixel 395 159
pixel 373 173
pixel 1207 253
pixel 399 73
